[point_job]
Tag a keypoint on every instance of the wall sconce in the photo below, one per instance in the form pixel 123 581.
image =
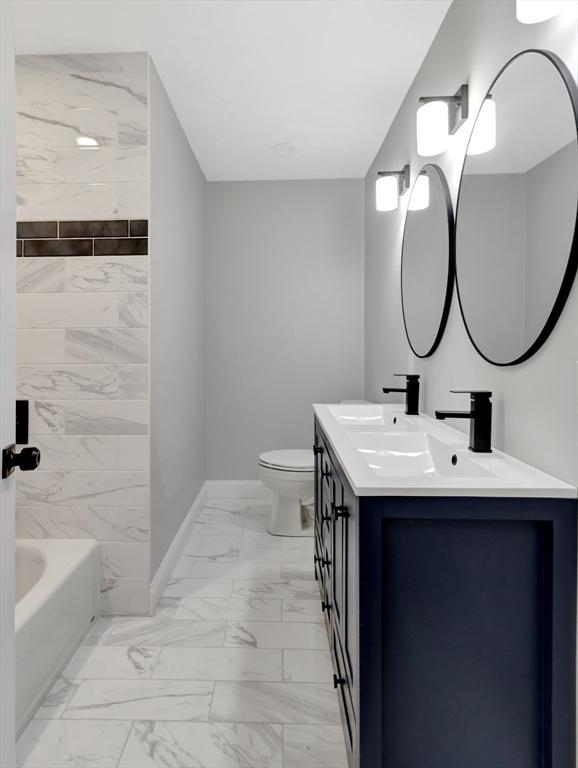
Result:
pixel 419 199
pixel 388 188
pixel 535 11
pixel 437 118
pixel 483 136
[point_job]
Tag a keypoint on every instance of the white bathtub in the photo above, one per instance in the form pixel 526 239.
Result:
pixel 57 586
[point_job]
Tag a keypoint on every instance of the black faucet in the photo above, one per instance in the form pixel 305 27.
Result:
pixel 480 417
pixel 411 392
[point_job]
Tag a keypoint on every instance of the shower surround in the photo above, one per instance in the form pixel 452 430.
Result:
pixel 82 310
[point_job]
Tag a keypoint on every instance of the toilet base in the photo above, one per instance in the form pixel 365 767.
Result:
pixel 288 518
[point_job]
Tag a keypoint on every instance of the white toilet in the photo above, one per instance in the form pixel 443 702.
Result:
pixel 290 475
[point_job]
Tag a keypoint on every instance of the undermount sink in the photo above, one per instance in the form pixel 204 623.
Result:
pixel 414 454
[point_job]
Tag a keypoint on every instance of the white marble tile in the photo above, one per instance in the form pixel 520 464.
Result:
pixel 289 556
pixel 133 452
pixel 133 382
pixel 229 609
pixel 219 528
pixel 101 662
pixel 237 506
pixel 125 596
pixel 61 382
pixel 36 275
pixel 179 588
pixel 314 746
pixel 302 610
pixel 82 488
pixel 219 664
pixel 282 590
pixel 100 164
pixel 203 745
pixel 133 310
pixel 297 542
pixel 46 202
pixel 106 345
pixel 222 570
pixel 274 702
pixel 298 571
pixel 68 310
pixel 248 541
pixel 200 554
pixel 127 417
pixel 72 452
pixel 56 701
pixel 182 568
pixel 158 631
pixel 140 699
pixel 52 521
pixel 276 634
pixel 46 417
pixel 307 666
pixel 39 346
pixel 66 744
pixel 123 558
pixel 107 273
pixel 134 523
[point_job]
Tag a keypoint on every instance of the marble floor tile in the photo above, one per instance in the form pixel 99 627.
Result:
pixel 282 590
pixel 67 744
pixel 235 571
pixel 274 702
pixel 196 553
pixel 219 664
pixel 293 571
pixel 112 662
pixel 287 557
pixel 314 746
pixel 307 666
pixel 186 587
pixel 151 632
pixel 273 634
pixel 203 745
pixel 140 700
pixel 297 542
pixel 229 609
pixel 248 540
pixel 56 701
pixel 302 610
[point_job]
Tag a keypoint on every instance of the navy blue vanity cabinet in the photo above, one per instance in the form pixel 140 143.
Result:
pixel 452 625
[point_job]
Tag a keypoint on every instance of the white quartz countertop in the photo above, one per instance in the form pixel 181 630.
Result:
pixel 386 453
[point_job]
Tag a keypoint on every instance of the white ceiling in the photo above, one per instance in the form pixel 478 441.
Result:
pixel 328 76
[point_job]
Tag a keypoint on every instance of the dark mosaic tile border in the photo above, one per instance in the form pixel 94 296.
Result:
pixel 114 237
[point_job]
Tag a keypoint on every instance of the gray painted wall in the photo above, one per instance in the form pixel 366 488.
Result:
pixel 535 403
pixel 177 291
pixel 284 314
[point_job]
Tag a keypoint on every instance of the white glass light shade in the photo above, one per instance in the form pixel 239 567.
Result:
pixel 386 193
pixel 432 128
pixel 419 199
pixel 484 135
pixel 535 11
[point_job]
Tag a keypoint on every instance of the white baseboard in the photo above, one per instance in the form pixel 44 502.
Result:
pixel 237 489
pixel 169 561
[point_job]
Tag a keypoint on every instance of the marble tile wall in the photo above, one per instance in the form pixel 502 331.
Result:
pixel 82 362
pixel 82 309
pixel 64 103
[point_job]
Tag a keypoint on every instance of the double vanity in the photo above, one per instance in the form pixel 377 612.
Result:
pixel 448 586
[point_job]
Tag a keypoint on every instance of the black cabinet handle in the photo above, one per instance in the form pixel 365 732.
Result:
pixel 326 518
pixel 326 562
pixel 317 559
pixel 317 449
pixel 340 511
pixel 325 606
pixel 326 473
pixel 337 681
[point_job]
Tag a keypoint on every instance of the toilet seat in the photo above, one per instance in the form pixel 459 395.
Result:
pixel 292 460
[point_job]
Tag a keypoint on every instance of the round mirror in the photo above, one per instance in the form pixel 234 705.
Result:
pixel 516 247
pixel 427 261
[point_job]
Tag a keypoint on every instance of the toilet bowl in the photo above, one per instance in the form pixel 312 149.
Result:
pixel 289 475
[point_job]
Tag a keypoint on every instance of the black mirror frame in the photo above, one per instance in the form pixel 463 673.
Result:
pixel 572 263
pixel 451 261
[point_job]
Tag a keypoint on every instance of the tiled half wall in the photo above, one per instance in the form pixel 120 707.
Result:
pixel 82 354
